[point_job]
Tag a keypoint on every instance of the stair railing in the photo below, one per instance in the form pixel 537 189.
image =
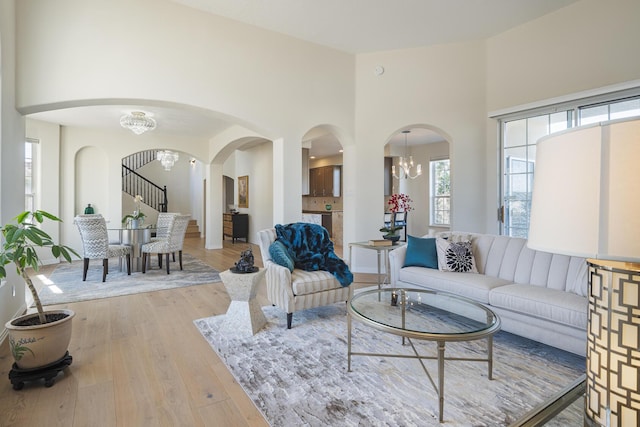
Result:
pixel 153 195
pixel 137 160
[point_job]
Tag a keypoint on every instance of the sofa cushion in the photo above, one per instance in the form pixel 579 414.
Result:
pixel 560 306
pixel 280 255
pixel 421 252
pixel 474 286
pixel 577 277
pixel 455 256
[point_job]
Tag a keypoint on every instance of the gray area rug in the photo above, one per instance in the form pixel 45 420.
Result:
pixel 65 284
pixel 299 377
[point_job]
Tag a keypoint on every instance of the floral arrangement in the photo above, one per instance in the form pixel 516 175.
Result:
pixel 398 202
pixel 137 213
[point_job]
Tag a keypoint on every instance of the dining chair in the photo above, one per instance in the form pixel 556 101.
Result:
pixel 165 220
pixel 171 244
pixel 95 242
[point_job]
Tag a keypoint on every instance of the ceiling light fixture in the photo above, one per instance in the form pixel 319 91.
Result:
pixel 406 163
pixel 138 122
pixel 167 158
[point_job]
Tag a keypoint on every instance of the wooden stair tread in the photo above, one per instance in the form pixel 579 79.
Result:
pixel 192 229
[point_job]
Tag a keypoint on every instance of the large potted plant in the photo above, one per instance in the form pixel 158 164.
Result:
pixel 38 339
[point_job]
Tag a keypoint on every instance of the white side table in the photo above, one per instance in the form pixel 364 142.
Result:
pixel 244 316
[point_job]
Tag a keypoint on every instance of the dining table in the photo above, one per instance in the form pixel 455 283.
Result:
pixel 134 237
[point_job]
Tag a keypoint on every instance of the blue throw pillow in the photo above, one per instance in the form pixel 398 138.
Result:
pixel 280 255
pixel 421 252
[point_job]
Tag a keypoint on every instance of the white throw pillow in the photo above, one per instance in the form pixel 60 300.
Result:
pixel 455 256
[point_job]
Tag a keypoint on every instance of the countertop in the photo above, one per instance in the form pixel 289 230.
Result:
pixel 326 212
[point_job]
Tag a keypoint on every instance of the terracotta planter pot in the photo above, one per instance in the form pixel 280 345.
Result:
pixel 36 346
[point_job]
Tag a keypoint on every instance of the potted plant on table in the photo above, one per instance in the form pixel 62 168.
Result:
pixel 398 202
pixel 135 220
pixel 36 339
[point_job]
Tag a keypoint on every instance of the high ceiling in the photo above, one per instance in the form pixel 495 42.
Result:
pixel 359 26
pixel 354 26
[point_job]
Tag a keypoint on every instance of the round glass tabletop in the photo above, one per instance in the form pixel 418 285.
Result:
pixel 424 314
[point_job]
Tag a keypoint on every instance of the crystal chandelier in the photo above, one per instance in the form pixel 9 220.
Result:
pixel 138 122
pixel 167 158
pixel 406 163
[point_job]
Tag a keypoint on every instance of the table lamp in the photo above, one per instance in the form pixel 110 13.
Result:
pixel 586 202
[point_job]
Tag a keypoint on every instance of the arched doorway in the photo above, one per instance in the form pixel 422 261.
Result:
pixel 322 181
pixel 426 146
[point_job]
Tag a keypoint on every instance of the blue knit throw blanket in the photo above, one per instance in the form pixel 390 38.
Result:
pixel 312 249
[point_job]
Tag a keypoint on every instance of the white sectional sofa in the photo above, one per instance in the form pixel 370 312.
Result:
pixel 538 295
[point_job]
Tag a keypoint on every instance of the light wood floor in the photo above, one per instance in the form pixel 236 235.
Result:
pixel 138 360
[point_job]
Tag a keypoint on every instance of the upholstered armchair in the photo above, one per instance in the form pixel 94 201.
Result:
pixel 171 244
pixel 298 289
pixel 95 242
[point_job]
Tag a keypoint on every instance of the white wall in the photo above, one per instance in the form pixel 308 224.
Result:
pixel 257 164
pixel 439 87
pixel 193 59
pixel 586 45
pixel 12 292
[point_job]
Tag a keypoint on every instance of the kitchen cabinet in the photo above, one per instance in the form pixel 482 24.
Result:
pixel 235 226
pixel 325 181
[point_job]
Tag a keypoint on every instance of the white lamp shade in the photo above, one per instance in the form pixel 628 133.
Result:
pixel 586 192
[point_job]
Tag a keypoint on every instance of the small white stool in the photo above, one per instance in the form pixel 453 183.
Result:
pixel 244 316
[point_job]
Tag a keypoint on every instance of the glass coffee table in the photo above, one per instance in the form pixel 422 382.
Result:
pixel 425 315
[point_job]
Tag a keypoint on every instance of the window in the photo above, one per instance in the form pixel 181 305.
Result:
pixel 520 133
pixel 518 164
pixel 440 192
pixel 30 178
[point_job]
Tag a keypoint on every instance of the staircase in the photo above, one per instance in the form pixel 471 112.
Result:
pixel 192 229
pixel 133 183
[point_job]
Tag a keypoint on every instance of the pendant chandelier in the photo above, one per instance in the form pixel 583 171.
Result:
pixel 138 122
pixel 167 158
pixel 406 163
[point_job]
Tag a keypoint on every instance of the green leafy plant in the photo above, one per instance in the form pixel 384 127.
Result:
pixel 19 248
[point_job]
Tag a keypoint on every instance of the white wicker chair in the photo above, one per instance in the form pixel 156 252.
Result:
pixel 298 290
pixel 171 244
pixel 95 241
